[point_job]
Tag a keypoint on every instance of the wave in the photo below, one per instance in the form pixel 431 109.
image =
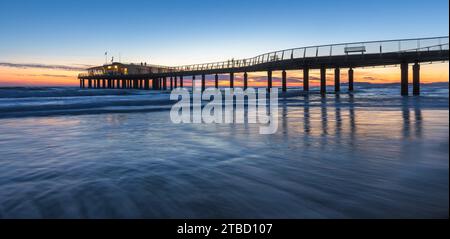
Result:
pixel 25 92
pixel 48 101
pixel 56 101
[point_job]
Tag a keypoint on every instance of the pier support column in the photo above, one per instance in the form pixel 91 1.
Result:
pixel 416 79
pixel 306 79
pixel 284 81
pixel 193 83
pixel 124 84
pixel 404 78
pixel 98 83
pixel 269 80
pixel 89 83
pixel 203 82
pixel 171 83
pixel 216 81
pixel 175 81
pixel 323 80
pixel 232 80
pixel 81 83
pixel 245 81
pixel 337 79
pixel 103 83
pixel 164 82
pixel 181 82
pixel 350 79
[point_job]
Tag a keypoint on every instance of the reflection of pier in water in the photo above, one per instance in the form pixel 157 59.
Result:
pixel 317 119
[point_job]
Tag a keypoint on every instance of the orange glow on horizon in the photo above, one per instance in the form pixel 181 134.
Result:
pixel 10 76
pixel 430 73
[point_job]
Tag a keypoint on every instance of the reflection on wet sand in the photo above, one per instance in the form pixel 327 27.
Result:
pixel 316 119
pixel 341 157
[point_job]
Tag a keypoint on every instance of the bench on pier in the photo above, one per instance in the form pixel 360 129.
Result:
pixel 355 49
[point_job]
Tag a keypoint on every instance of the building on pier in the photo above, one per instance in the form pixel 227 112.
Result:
pixel 120 69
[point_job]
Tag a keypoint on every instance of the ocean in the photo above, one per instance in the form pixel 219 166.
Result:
pixel 72 153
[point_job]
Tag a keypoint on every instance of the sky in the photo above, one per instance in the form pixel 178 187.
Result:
pixel 48 42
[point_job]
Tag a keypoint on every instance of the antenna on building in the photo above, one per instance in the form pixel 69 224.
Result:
pixel 106 57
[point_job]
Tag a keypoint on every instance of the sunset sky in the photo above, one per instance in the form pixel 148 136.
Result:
pixel 48 42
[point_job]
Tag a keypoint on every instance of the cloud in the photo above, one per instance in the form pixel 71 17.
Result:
pixel 44 75
pixel 369 78
pixel 314 78
pixel 44 66
pixel 51 75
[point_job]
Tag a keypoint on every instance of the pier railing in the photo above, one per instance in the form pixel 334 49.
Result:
pixel 355 48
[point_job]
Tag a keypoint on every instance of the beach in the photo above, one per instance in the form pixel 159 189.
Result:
pixel 72 153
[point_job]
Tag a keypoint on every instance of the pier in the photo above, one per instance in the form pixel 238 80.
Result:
pixel 406 53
